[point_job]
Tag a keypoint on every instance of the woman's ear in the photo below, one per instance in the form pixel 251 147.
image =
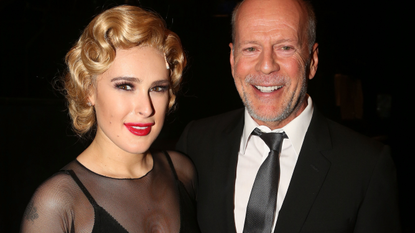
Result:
pixel 91 99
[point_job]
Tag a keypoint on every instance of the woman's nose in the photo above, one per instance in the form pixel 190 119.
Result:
pixel 144 106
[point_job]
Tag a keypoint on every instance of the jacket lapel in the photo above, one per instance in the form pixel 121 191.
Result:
pixel 225 164
pixel 308 177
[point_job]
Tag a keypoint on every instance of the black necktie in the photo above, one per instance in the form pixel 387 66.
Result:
pixel 262 202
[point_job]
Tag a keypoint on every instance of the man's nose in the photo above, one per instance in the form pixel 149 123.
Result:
pixel 267 62
pixel 144 106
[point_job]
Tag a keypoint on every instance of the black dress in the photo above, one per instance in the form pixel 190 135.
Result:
pixel 79 200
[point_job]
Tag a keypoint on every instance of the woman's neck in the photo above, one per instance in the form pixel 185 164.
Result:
pixel 105 158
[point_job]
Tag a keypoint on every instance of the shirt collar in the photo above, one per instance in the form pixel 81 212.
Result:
pixel 295 130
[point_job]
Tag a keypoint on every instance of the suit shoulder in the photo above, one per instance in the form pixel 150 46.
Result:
pixel 208 131
pixel 350 133
pixel 219 120
pixel 352 140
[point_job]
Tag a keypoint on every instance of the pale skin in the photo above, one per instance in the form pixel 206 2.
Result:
pixel 133 90
pixel 271 61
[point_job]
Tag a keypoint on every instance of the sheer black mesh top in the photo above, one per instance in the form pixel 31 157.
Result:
pixel 79 200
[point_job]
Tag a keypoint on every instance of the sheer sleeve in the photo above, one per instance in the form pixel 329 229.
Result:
pixel 50 209
pixel 186 172
pixel 77 199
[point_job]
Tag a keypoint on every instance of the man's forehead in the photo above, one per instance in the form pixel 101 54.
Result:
pixel 267 24
pixel 270 16
pixel 271 11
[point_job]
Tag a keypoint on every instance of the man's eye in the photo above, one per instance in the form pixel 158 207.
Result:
pixel 250 49
pixel 286 48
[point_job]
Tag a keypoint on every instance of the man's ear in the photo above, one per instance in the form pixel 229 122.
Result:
pixel 313 61
pixel 232 58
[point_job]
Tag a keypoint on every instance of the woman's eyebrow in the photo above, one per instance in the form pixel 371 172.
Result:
pixel 126 78
pixel 161 82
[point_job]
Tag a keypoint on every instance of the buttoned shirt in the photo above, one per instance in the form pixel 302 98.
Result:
pixel 252 153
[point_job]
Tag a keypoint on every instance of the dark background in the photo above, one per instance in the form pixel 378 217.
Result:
pixel 357 38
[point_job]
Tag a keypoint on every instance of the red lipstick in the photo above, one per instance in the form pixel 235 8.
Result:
pixel 139 129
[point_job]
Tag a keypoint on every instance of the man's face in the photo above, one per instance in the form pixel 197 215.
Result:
pixel 271 61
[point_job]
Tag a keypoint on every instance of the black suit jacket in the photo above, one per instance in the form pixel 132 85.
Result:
pixel 342 182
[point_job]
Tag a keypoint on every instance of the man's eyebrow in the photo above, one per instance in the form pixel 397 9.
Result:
pixel 248 42
pixel 126 78
pixel 285 40
pixel 276 42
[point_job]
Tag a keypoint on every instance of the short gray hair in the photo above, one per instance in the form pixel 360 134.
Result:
pixel 311 29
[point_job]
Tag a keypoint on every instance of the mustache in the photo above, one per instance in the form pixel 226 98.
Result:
pixel 267 80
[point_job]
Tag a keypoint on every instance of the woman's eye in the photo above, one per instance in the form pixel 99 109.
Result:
pixel 159 89
pixel 124 86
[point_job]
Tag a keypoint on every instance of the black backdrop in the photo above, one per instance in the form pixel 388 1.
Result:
pixel 356 39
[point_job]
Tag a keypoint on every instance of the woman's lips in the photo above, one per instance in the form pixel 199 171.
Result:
pixel 139 129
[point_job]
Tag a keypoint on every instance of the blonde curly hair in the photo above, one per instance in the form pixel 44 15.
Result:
pixel 119 27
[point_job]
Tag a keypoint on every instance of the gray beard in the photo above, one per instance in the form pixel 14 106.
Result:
pixel 289 109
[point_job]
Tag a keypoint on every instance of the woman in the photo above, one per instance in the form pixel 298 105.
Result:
pixel 123 75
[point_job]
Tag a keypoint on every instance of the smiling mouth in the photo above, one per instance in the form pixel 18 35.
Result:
pixel 268 89
pixel 139 129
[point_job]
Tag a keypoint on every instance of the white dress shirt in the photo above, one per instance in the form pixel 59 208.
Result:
pixel 253 151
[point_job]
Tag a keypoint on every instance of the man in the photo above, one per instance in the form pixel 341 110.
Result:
pixel 331 179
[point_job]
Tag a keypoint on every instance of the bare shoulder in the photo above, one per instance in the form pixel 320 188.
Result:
pixel 51 199
pixel 180 161
pixel 185 169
